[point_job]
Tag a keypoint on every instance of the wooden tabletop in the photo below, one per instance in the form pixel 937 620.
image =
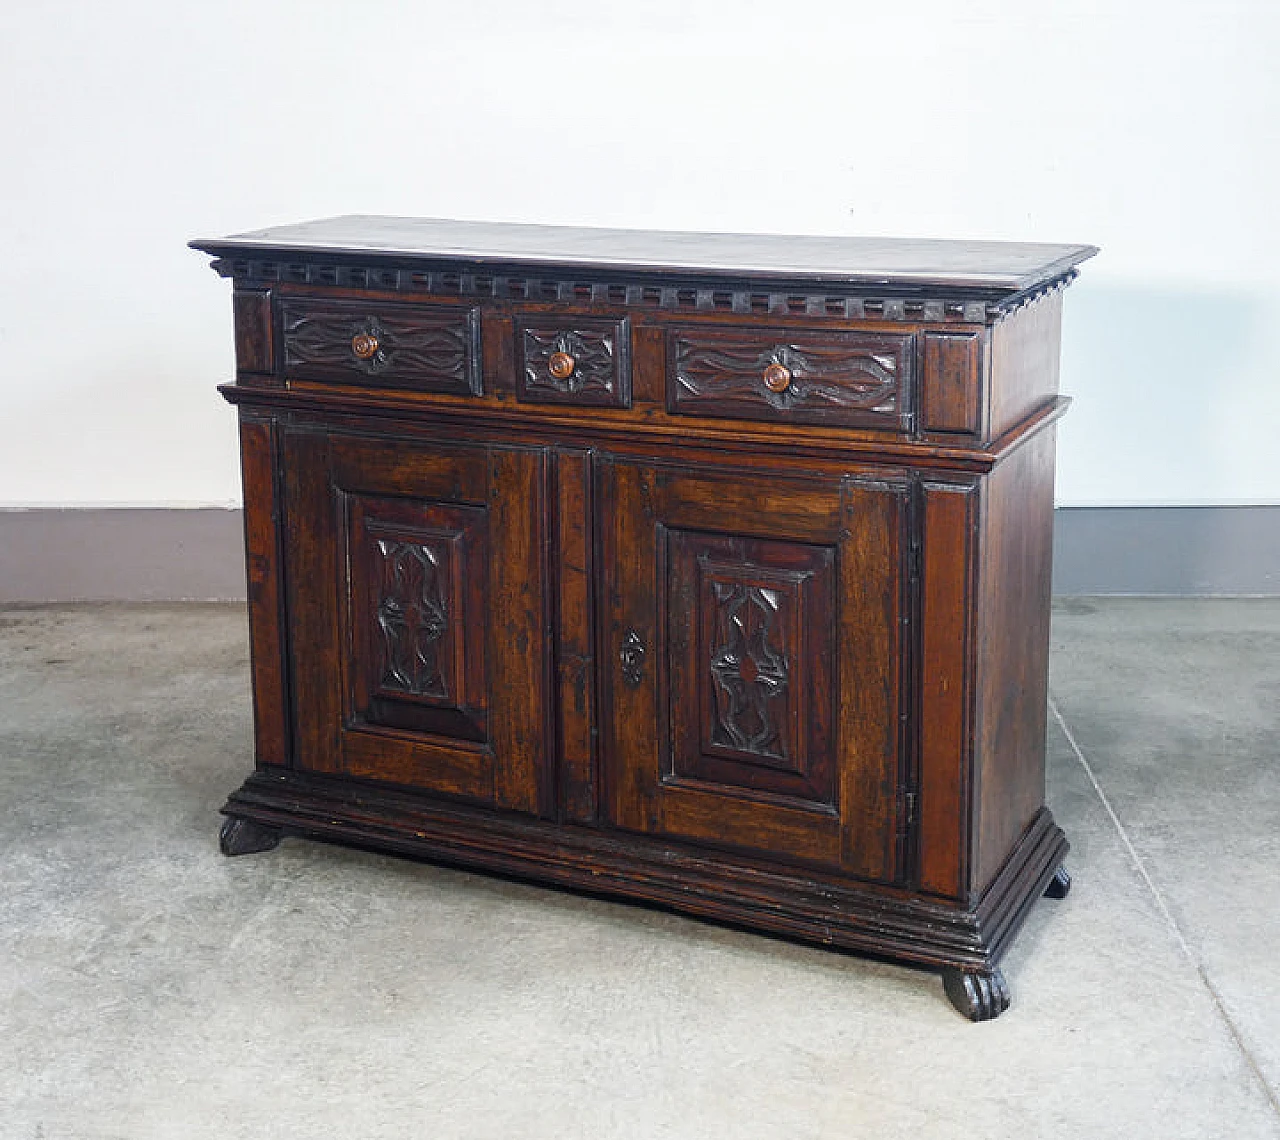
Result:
pixel 1014 266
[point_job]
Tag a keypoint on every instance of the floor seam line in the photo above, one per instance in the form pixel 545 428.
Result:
pixel 1172 923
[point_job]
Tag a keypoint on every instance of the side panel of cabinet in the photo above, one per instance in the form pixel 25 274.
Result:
pixel 1012 660
pixel 750 654
pixel 1025 355
pixel 417 595
pixel 948 524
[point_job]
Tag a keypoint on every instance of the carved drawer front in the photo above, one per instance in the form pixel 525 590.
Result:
pixel 750 659
pixel 435 348
pixel 582 361
pixel 804 376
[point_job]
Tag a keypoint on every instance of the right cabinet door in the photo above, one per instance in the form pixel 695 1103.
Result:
pixel 751 661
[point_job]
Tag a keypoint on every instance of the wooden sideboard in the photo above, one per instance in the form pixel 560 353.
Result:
pixel 705 570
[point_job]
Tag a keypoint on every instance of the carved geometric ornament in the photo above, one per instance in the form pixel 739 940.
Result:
pixel 642 291
pixel 749 673
pixel 750 632
pixel 412 614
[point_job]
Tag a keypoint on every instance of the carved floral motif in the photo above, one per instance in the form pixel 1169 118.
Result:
pixel 596 356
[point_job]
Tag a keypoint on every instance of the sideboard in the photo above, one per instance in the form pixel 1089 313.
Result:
pixel 705 570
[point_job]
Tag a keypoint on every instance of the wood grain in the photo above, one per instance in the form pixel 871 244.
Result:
pixel 872 579
pixel 255 343
pixel 575 646
pixel 1015 568
pixel 313 549
pixel 264 567
pixel 945 688
pixel 1025 351
pixel 519 649
pixel 951 381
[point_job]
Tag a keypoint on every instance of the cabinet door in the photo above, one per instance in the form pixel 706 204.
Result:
pixel 416 628
pixel 752 649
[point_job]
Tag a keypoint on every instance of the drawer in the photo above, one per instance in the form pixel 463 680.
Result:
pixel 434 348
pixel 819 376
pixel 580 360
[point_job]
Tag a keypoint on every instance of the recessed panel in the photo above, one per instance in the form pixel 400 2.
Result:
pixel 751 624
pixel 951 382
pixel 416 614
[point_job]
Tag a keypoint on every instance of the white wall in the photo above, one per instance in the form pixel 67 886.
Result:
pixel 1149 127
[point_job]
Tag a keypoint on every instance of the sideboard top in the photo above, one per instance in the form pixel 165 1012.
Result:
pixel 995 265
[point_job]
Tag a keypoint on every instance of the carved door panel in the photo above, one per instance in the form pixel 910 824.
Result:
pixel 751 657
pixel 416 595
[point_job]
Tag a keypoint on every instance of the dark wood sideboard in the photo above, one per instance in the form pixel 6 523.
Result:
pixel 705 570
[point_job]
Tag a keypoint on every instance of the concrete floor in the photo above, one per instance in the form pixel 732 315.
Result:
pixel 151 988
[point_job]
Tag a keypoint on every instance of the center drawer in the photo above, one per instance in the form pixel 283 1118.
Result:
pixel 817 376
pixel 396 344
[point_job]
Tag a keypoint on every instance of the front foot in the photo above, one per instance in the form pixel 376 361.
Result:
pixel 240 836
pixel 1059 885
pixel 980 996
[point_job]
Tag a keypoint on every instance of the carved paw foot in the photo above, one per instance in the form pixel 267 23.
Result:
pixel 1059 885
pixel 241 836
pixel 979 996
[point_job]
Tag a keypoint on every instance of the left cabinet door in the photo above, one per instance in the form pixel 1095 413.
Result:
pixel 416 614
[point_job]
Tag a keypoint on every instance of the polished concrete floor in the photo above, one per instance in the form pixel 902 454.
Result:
pixel 151 988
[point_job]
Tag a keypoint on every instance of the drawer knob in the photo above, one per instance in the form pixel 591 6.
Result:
pixel 777 377
pixel 561 365
pixel 364 345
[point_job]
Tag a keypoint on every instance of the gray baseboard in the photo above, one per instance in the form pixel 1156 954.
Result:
pixel 1177 551
pixel 131 555
pixel 185 555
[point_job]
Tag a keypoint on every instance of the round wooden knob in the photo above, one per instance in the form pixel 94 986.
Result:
pixel 777 377
pixel 364 345
pixel 561 365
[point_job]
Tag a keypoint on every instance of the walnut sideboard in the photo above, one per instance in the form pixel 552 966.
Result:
pixel 705 570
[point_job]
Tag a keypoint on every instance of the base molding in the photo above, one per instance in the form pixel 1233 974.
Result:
pixel 797 903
